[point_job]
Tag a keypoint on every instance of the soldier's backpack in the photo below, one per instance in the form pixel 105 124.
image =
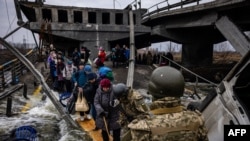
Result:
pixel 185 125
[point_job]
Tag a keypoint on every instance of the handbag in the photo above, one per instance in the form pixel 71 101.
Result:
pixel 81 104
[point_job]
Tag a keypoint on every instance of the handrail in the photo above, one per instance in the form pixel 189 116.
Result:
pixel 189 71
pixel 14 69
pixel 168 7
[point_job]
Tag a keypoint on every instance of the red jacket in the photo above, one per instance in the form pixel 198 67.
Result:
pixel 102 56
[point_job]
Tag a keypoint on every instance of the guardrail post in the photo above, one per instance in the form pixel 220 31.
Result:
pixel 35 82
pixel 25 91
pixel 9 106
pixel 43 71
pixel 2 84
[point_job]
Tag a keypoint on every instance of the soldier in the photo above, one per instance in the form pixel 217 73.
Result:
pixel 168 120
pixel 132 103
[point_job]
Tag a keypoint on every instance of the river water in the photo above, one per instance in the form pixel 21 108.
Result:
pixel 39 114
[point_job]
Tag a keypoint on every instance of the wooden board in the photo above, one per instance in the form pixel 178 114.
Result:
pixel 88 125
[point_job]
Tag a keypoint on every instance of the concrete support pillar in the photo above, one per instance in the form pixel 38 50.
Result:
pixel 112 18
pixel 197 54
pixel 125 18
pixel 70 16
pixel 39 16
pixel 85 16
pixel 54 13
pixel 98 18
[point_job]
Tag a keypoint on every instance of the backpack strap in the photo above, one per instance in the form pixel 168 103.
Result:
pixel 167 110
pixel 165 130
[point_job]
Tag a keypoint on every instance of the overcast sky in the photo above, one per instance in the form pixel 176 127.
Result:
pixel 8 19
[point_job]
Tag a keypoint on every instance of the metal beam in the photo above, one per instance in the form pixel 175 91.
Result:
pixel 233 34
pixel 18 11
pixel 23 24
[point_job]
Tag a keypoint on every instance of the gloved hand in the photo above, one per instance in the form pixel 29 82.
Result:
pixel 130 118
pixel 115 102
pixel 104 114
pixel 75 84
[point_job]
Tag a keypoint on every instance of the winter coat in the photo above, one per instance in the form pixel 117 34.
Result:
pixel 52 66
pixel 68 72
pixel 89 90
pixel 80 77
pixel 102 104
pixel 59 68
pixel 102 56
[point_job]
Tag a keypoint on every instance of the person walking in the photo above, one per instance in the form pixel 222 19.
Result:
pixel 167 118
pixel 89 90
pixel 113 55
pixel 76 57
pixel 85 53
pixel 53 70
pixel 59 69
pixel 107 110
pixel 104 71
pixel 102 54
pixel 68 72
pixel 80 79
pixel 127 55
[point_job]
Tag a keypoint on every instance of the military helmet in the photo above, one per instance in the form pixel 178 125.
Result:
pixel 120 89
pixel 166 82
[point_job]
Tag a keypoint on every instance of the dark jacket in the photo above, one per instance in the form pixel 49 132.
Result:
pixel 89 90
pixel 80 77
pixel 102 104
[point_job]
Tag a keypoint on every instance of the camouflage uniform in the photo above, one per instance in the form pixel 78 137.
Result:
pixel 169 121
pixel 134 103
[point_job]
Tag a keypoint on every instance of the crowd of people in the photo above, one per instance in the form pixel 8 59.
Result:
pixel 163 119
pixel 120 57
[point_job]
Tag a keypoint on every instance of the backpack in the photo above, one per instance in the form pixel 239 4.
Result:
pixel 106 72
pixel 178 126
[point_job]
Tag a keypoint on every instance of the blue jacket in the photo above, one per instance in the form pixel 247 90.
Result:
pixel 80 77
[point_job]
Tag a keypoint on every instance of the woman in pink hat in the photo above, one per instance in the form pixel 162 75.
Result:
pixel 102 54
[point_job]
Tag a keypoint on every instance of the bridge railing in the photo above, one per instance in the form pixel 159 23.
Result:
pixel 168 5
pixel 182 68
pixel 11 71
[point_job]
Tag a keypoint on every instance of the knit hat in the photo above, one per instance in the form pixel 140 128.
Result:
pixel 92 76
pixel 105 83
pixel 101 49
pixel 87 68
pixel 70 62
pixel 81 63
